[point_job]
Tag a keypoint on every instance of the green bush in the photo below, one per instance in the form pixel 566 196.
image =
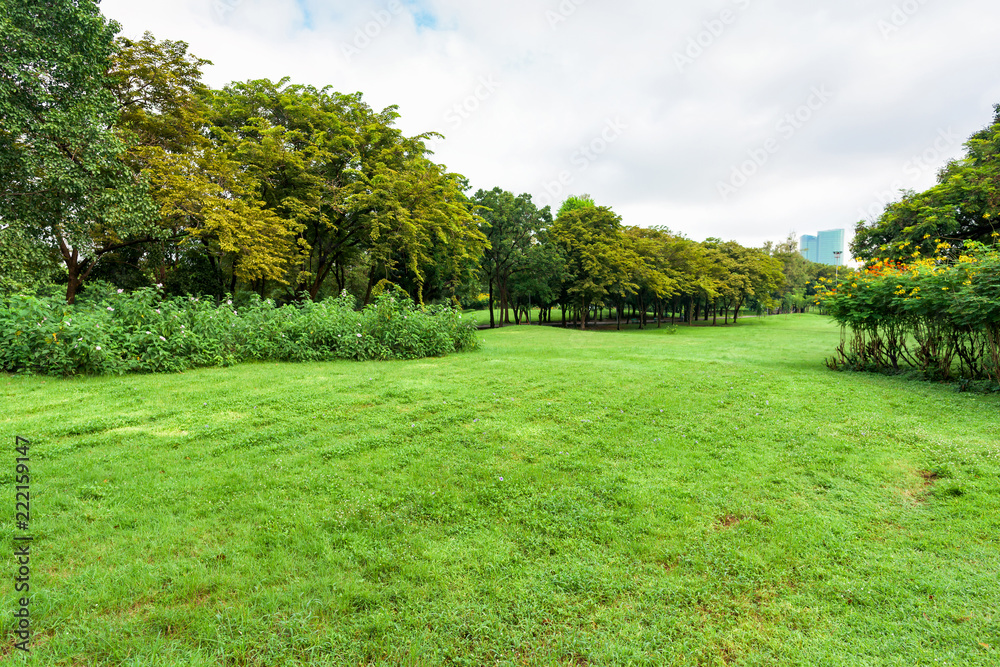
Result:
pixel 114 332
pixel 940 316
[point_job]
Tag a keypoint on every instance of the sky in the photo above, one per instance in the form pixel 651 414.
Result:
pixel 746 120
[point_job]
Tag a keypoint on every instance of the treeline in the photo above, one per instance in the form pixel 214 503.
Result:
pixel 586 263
pixel 123 168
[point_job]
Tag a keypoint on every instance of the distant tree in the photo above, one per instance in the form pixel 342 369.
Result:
pixel 649 278
pixel 539 281
pixel 574 202
pixel 593 243
pixel 510 224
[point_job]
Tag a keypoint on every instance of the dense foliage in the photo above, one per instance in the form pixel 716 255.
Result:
pixel 939 315
pixel 964 205
pixel 123 168
pixel 145 331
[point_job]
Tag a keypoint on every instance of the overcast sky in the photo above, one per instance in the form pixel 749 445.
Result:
pixel 738 119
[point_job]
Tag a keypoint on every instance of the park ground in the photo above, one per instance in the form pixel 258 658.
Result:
pixel 688 496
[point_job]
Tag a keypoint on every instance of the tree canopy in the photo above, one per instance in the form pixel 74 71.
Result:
pixel 964 205
pixel 123 166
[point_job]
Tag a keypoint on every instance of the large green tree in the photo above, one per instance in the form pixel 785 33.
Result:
pixel 963 205
pixel 364 197
pixel 65 182
pixel 208 203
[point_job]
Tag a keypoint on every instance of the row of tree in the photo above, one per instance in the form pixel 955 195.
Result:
pixel 120 164
pixel 586 261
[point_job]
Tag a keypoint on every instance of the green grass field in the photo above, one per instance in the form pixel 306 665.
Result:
pixel 711 497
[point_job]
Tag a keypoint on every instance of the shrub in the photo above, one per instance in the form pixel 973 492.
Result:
pixel 940 316
pixel 115 332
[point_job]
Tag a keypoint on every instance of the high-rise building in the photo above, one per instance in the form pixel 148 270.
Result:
pixel 826 247
pixel 809 247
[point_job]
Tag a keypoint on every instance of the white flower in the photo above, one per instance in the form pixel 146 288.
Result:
pixel 359 335
pixel 110 308
pixel 98 347
pixel 157 311
pixel 229 302
pixel 120 291
pixel 149 333
pixel 160 285
pixel 163 339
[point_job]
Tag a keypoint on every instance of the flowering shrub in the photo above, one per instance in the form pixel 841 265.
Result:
pixel 939 315
pixel 144 332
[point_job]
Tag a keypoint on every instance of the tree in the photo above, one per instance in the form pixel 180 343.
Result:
pixel 753 274
pixel 66 183
pixel 649 278
pixel 574 202
pixel 540 280
pixel 593 243
pixel 964 205
pixel 363 197
pixel 510 224
pixel 207 202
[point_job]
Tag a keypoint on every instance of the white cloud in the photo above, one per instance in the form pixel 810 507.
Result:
pixel 536 81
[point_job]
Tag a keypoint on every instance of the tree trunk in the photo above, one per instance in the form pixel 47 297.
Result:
pixel 492 322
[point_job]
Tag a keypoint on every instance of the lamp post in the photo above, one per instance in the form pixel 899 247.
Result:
pixel 836 258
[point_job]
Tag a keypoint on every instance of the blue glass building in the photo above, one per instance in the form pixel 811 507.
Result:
pixel 826 247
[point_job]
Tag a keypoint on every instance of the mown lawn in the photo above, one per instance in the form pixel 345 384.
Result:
pixel 714 496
